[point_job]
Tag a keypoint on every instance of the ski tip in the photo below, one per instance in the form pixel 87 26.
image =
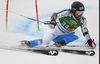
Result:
pixel 53 52
pixel 90 53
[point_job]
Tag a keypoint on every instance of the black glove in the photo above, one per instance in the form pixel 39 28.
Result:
pixel 52 24
pixel 91 43
pixel 53 21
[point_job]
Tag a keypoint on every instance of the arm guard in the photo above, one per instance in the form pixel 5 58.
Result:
pixel 54 17
pixel 85 31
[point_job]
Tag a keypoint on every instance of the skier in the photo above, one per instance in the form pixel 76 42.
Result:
pixel 62 28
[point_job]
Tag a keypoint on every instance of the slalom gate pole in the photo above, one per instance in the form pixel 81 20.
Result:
pixel 37 14
pixel 7 14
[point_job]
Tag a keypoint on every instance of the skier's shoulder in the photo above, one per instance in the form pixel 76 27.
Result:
pixel 63 13
pixel 65 10
pixel 83 20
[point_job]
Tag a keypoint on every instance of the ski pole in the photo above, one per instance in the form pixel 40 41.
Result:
pixel 46 22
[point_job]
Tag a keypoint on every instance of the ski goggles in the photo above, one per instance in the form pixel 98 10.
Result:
pixel 79 12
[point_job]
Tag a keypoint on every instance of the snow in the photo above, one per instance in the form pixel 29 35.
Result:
pixel 13 57
pixel 20 28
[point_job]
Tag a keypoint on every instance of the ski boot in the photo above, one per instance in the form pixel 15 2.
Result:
pixel 60 43
pixel 57 45
pixel 25 44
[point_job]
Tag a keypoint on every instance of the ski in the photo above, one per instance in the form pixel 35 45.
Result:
pixel 53 51
pixel 75 49
pixel 77 46
pixel 45 51
pixel 79 49
pixel 81 52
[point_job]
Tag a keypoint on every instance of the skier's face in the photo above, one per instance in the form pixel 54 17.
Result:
pixel 78 14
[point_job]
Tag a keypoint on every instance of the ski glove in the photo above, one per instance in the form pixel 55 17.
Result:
pixel 52 24
pixel 91 43
pixel 53 20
